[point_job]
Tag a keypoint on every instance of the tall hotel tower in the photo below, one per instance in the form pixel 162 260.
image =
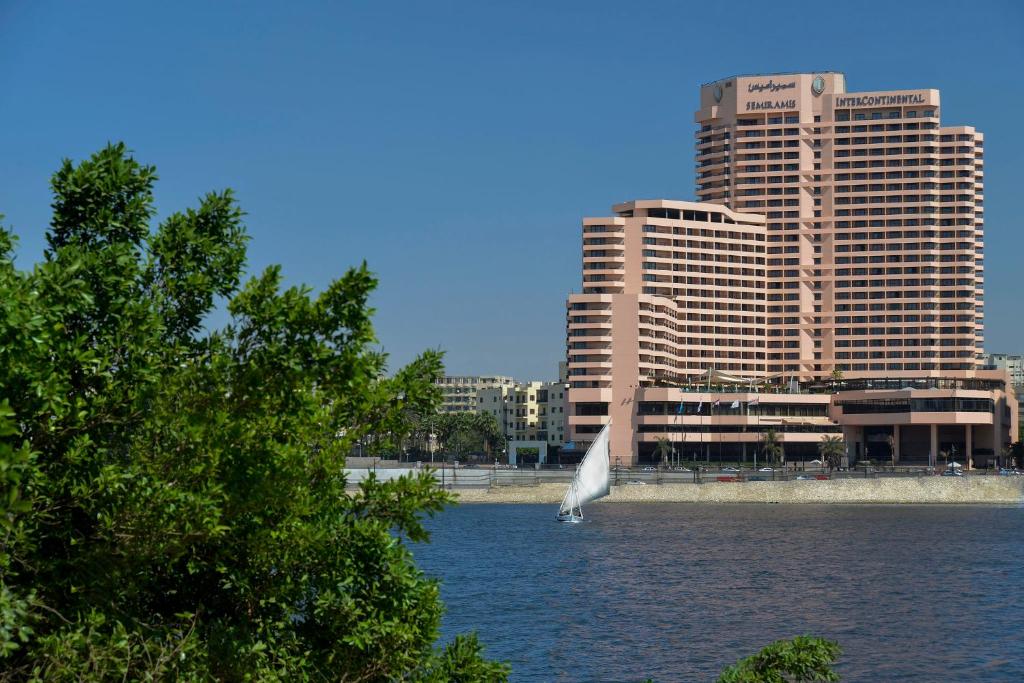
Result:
pixel 828 279
pixel 874 214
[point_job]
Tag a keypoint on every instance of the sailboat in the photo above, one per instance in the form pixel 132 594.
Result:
pixel 591 481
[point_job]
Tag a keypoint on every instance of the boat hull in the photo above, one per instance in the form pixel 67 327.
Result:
pixel 571 519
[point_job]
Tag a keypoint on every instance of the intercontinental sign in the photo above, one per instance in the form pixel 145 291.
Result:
pixel 877 100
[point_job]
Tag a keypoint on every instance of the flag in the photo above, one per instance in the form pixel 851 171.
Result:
pixel 700 405
pixel 717 403
pixel 679 410
pixel 735 405
pixel 753 403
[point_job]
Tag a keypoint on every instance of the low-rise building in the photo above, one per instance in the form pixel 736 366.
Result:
pixel 459 393
pixel 529 411
pixel 1004 361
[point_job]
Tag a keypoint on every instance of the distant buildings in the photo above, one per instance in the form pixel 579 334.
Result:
pixel 1004 361
pixel 459 393
pixel 830 281
pixel 526 411
pixel 530 411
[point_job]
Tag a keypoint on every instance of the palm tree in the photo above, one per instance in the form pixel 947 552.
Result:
pixel 837 377
pixel 832 449
pixel 771 446
pixel 664 448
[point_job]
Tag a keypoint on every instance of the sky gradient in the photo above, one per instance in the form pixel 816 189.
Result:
pixel 455 145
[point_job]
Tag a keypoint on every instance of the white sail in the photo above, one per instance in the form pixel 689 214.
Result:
pixel 593 477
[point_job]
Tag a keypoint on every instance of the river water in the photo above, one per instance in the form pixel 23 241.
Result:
pixel 676 592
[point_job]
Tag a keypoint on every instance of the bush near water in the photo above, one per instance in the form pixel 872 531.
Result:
pixel 171 496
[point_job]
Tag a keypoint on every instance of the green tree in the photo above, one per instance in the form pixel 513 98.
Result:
pixel 464 433
pixel 771 446
pixel 836 377
pixel 802 659
pixel 832 448
pixel 173 500
pixel 663 449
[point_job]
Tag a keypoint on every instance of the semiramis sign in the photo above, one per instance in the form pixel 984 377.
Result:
pixel 771 105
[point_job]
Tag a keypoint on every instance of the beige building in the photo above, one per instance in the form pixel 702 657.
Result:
pixel 669 338
pixel 831 280
pixel 529 411
pixel 459 393
pixel 875 220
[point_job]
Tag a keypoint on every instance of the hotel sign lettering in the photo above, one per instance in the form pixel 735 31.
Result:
pixel 770 86
pixel 878 100
pixel 769 104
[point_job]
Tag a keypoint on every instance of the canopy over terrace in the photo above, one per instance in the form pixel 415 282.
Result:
pixel 711 377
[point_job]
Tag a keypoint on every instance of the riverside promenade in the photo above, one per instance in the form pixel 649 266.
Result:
pixel 893 491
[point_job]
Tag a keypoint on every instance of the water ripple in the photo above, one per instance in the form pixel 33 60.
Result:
pixel 676 592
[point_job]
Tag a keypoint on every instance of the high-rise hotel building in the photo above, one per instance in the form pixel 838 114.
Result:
pixel 875 215
pixel 834 231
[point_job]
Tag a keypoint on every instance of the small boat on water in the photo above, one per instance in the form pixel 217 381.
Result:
pixel 591 481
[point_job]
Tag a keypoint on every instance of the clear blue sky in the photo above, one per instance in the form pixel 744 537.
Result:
pixel 455 145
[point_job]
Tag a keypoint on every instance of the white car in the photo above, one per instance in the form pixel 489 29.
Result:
pixel 648 469
pixel 637 482
pixel 766 469
pixel 729 469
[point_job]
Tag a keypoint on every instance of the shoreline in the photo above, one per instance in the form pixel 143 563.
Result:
pixel 896 491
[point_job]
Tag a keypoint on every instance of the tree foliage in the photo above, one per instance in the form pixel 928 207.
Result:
pixel 464 433
pixel 772 446
pixel 663 450
pixel 802 659
pixel 172 499
pixel 832 448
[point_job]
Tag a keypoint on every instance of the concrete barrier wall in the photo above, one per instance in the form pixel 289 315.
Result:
pixel 935 490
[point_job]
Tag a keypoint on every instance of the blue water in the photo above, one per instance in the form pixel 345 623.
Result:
pixel 676 592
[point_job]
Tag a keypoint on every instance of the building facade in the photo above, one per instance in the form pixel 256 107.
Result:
pixel 670 339
pixel 528 411
pixel 1004 361
pixel 830 280
pixel 460 393
pixel 874 215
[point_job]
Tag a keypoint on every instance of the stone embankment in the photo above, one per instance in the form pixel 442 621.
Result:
pixel 936 490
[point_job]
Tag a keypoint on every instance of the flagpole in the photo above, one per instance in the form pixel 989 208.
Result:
pixel 719 438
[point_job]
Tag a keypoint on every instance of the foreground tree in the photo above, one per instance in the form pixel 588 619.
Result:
pixel 172 500
pixel 804 659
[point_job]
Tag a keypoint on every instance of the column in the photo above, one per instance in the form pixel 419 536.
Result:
pixel 933 451
pixel 968 446
pixel 997 439
pixel 896 442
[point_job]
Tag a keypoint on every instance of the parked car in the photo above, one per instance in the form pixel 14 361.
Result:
pixel 766 469
pixel 805 477
pixel 952 473
pixel 637 482
pixel 648 469
pixel 729 469
pixel 681 469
